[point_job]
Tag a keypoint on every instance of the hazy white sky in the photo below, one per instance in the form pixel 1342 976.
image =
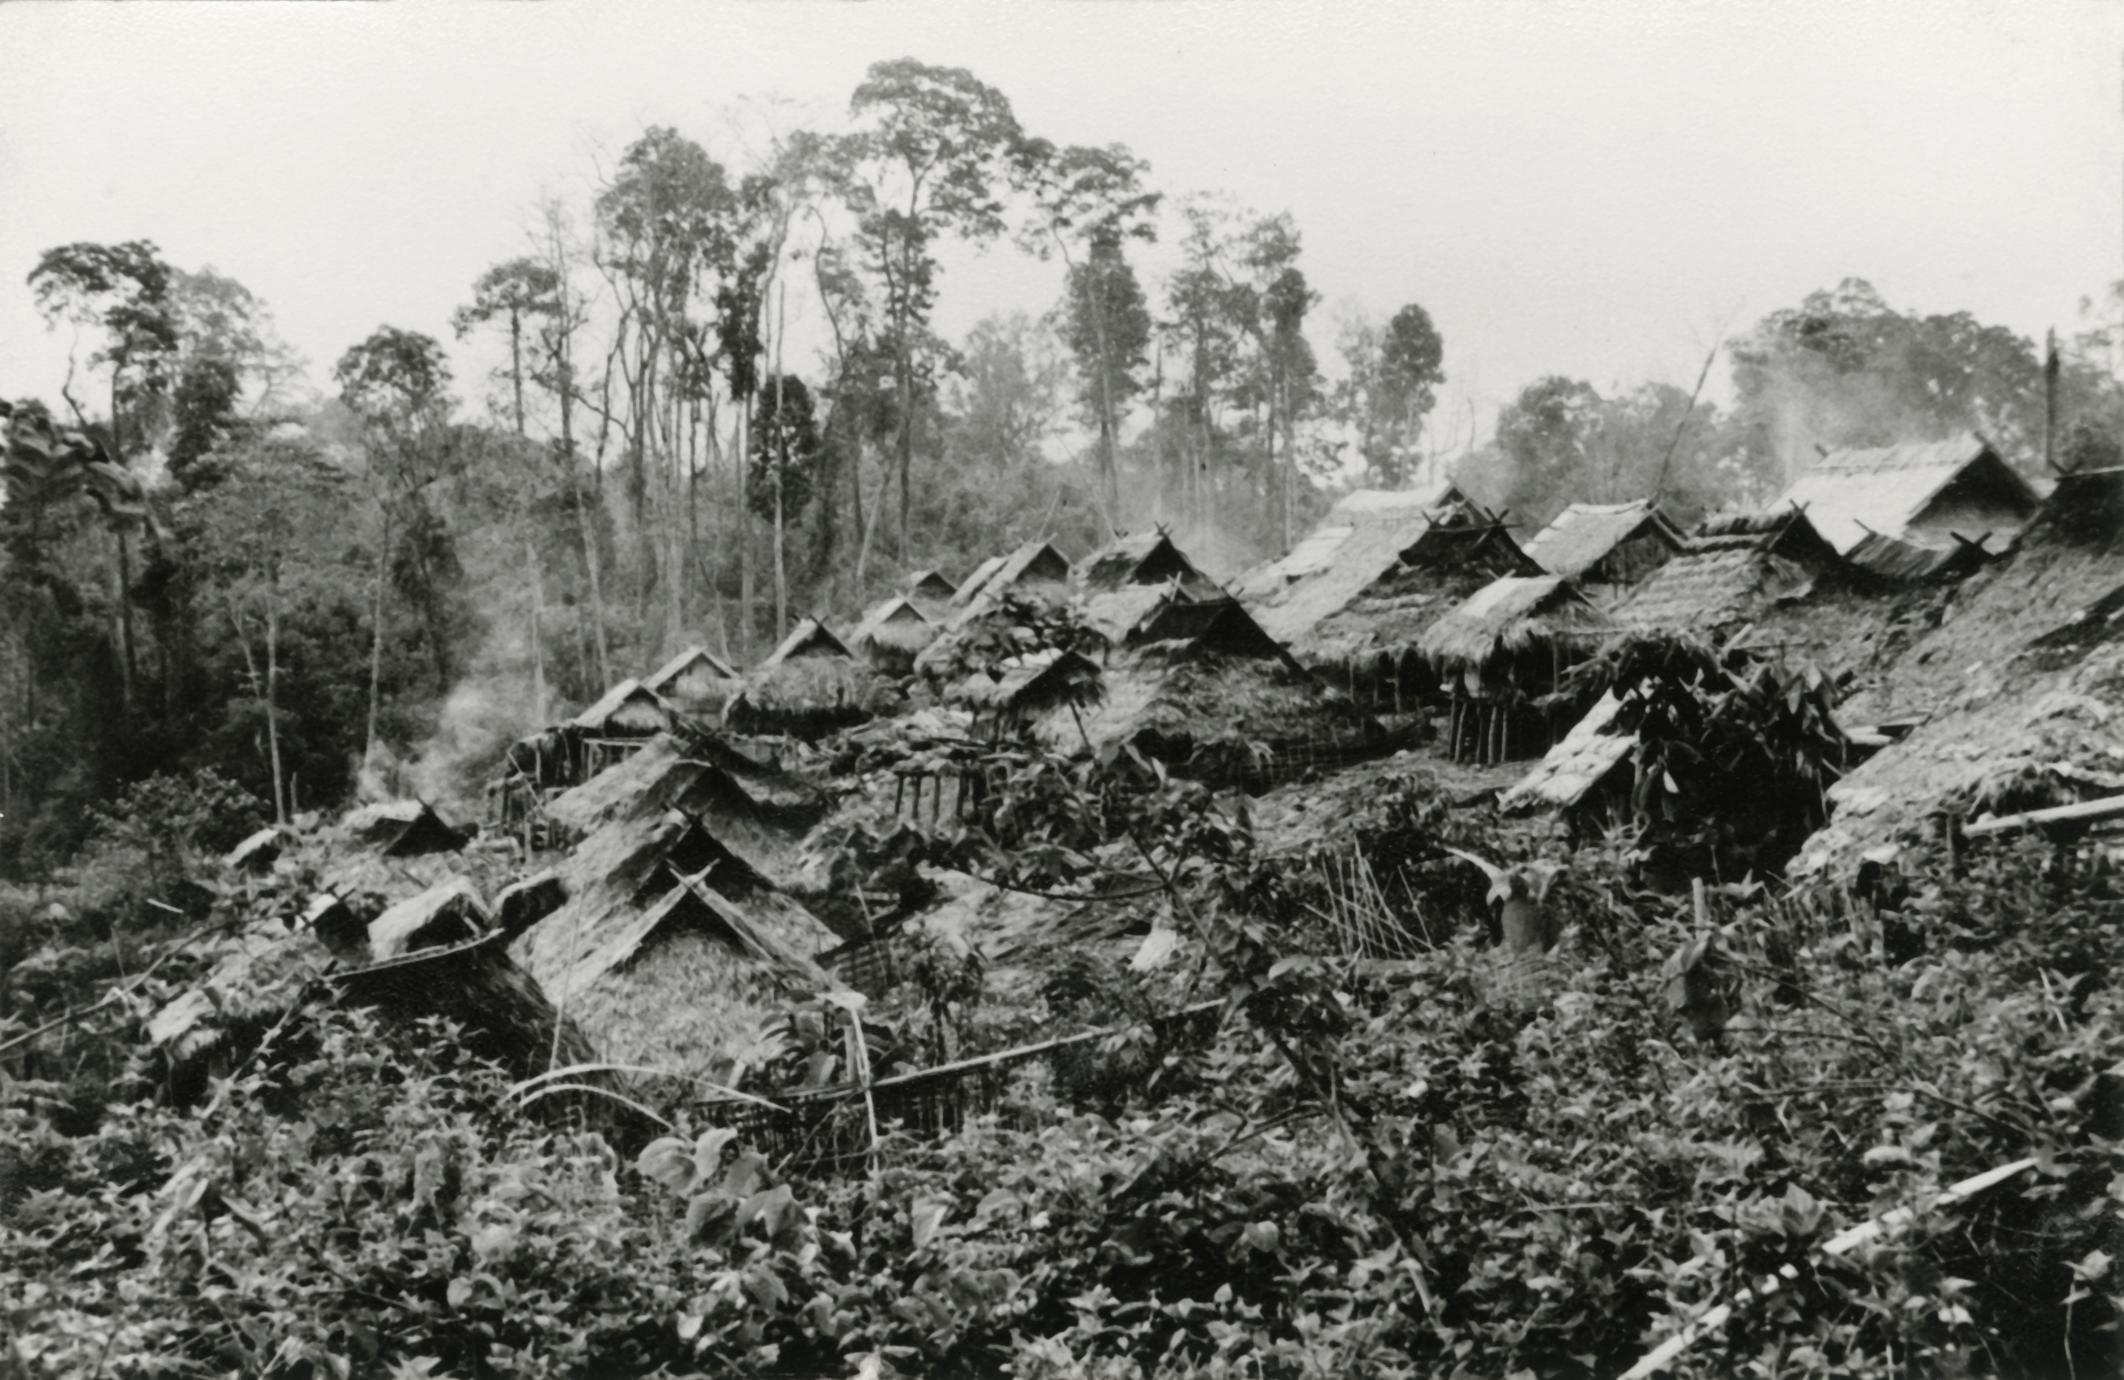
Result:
pixel 1585 189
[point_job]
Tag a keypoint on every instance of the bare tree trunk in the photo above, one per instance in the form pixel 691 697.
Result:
pixel 743 510
pixel 376 634
pixel 262 687
pixel 538 631
pixel 781 466
pixel 272 699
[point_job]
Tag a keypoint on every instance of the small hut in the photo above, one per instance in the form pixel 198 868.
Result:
pixel 696 681
pixel 448 913
pixel 893 634
pixel 1502 651
pixel 809 686
pixel 1606 547
pixel 624 717
pixel 1585 775
pixel 1930 492
pixel 931 592
pixel 1896 561
pixel 402 829
pixel 1036 568
pixel 1020 693
pixel 1142 559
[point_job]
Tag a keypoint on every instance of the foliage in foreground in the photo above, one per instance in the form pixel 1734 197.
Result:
pixel 1459 1165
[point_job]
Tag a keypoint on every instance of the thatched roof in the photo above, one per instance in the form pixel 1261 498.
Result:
pixel 809 638
pixel 1508 616
pixel 1908 562
pixel 1115 614
pixel 1580 538
pixel 402 829
pixel 448 913
pixel 1386 615
pixel 929 587
pixel 1359 507
pixel 1959 487
pixel 977 581
pixel 1220 625
pixel 1035 682
pixel 896 626
pixel 523 903
pixel 756 812
pixel 664 952
pixel 628 709
pixel 1176 703
pixel 1580 761
pixel 1140 558
pixel 694 676
pixel 1705 590
pixel 2020 682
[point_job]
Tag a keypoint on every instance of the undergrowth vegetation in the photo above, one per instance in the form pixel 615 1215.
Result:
pixel 1476 1161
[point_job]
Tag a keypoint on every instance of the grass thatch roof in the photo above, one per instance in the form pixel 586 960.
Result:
pixel 1036 682
pixel 257 851
pixel 1116 614
pixel 450 912
pixel 1177 704
pixel 1385 617
pixel 1508 616
pixel 1363 537
pixel 1579 761
pixel 1220 625
pixel 928 587
pixel 1583 535
pixel 807 696
pixel 696 677
pixel 2023 685
pixel 401 829
pixel 895 630
pixel 1140 558
pixel 1957 486
pixel 628 709
pixel 1907 562
pixel 1707 589
pixel 977 581
pixel 1399 506
pixel 809 638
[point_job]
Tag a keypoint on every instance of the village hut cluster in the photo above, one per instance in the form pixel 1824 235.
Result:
pixel 641 892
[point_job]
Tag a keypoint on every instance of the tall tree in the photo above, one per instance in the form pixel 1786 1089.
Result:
pixel 929 159
pixel 516 293
pixel 1088 203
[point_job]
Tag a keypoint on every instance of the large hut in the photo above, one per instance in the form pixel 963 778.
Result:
pixel 1035 570
pixel 809 686
pixel 2014 695
pixel 1502 653
pixel 1367 642
pixel 1606 547
pixel 1200 686
pixel 670 951
pixel 1931 492
pixel 931 592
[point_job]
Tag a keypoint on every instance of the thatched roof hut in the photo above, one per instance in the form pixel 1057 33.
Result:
pixel 757 812
pixel 2017 688
pixel 669 951
pixel 930 590
pixel 696 679
pixel 1031 687
pixel 1379 622
pixel 402 829
pixel 1488 640
pixel 448 913
pixel 893 633
pixel 1606 543
pixel 1141 558
pixel 1037 567
pixel 1203 688
pixel 1502 651
pixel 629 709
pixel 1732 568
pixel 1116 614
pixel 1360 539
pixel 1929 491
pixel 808 686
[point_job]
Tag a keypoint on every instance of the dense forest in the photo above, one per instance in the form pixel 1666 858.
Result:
pixel 1359 1075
